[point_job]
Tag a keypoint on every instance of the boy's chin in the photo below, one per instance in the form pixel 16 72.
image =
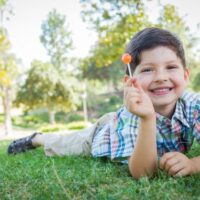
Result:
pixel 163 104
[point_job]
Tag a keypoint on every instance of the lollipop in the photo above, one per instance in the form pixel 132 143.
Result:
pixel 126 58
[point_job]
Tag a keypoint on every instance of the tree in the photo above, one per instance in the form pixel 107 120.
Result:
pixel 8 67
pixel 56 39
pixel 5 10
pixel 117 21
pixel 170 19
pixel 46 87
pixel 8 74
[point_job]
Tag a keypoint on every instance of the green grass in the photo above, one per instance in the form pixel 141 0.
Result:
pixel 32 175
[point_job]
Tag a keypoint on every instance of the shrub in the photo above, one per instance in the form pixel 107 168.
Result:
pixel 70 126
pixel 77 125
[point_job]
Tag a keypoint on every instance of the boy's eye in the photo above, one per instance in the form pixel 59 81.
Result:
pixel 146 70
pixel 172 67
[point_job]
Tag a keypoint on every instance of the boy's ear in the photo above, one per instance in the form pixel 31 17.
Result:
pixel 187 75
pixel 126 77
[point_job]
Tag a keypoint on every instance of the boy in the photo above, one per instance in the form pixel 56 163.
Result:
pixel 158 122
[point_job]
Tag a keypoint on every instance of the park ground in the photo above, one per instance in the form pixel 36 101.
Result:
pixel 32 175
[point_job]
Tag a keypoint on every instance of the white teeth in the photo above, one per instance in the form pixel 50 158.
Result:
pixel 161 90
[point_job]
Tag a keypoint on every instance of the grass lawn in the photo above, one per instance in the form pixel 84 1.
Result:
pixel 32 175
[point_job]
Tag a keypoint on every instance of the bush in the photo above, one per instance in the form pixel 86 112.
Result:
pixel 77 125
pixel 70 126
pixel 27 121
pixel 63 117
pixel 34 119
pixel 52 128
pixel 1 118
pixel 109 104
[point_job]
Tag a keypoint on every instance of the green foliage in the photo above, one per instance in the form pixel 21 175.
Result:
pixel 196 82
pixel 39 120
pixel 9 70
pixel 46 87
pixel 28 121
pixel 2 3
pixel 4 48
pixel 63 117
pixel 170 20
pixel 78 125
pixel 116 22
pixel 52 128
pixel 123 19
pixel 1 118
pixel 103 14
pixel 4 41
pixel 5 10
pixel 56 39
pixel 112 73
pixel 32 175
pixel 100 104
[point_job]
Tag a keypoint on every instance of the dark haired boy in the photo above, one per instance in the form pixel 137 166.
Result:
pixel 158 122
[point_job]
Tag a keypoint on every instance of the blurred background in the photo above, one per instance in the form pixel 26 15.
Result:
pixel 60 61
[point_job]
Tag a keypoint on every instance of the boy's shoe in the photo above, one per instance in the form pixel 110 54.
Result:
pixel 22 144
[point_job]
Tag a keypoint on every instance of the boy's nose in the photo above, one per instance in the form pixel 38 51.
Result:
pixel 160 76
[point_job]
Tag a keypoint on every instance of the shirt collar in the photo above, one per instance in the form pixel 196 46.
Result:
pixel 179 115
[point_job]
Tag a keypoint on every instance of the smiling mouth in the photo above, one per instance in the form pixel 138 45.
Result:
pixel 161 91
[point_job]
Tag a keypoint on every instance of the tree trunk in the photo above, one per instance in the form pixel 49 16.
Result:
pixel 7 103
pixel 52 116
pixel 85 111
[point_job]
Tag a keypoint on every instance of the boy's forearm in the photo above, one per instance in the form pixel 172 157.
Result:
pixel 143 161
pixel 196 164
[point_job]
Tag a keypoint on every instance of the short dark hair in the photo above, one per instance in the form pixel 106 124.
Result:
pixel 150 38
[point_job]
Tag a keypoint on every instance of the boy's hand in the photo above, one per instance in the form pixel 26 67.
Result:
pixel 176 164
pixel 136 101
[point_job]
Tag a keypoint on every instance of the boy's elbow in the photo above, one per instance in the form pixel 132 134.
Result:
pixel 139 172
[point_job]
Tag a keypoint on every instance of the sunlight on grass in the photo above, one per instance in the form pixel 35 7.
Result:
pixel 32 175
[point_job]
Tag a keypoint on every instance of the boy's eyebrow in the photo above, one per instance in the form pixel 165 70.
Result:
pixel 144 64
pixel 152 64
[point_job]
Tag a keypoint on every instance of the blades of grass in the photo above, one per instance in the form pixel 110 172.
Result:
pixel 60 181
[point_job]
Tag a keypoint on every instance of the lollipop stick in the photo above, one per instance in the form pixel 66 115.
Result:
pixel 129 70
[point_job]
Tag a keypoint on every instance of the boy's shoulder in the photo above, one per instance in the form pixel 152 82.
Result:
pixel 190 96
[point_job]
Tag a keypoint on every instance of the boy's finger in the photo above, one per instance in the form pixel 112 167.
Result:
pixel 137 85
pixel 171 162
pixel 128 82
pixel 175 169
pixel 181 173
pixel 164 158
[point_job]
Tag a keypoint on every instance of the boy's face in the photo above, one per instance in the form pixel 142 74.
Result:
pixel 162 77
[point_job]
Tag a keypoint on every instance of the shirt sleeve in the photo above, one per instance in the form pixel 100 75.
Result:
pixel 196 125
pixel 124 137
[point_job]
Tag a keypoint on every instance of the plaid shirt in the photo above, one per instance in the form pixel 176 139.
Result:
pixel 117 137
